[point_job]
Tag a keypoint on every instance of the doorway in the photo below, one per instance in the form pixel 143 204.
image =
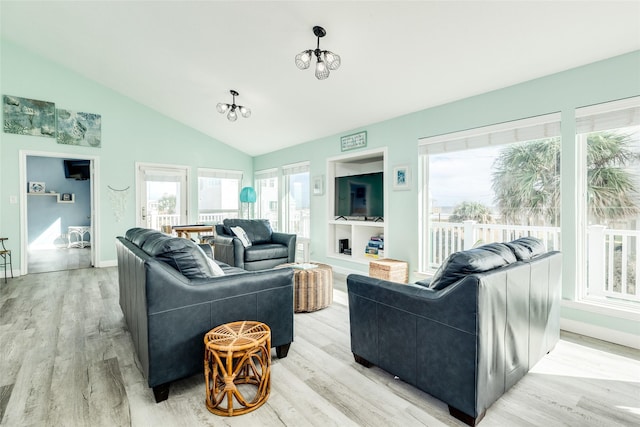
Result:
pixel 161 196
pixel 57 211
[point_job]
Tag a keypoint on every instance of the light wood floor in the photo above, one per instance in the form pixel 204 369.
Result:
pixel 46 260
pixel 66 359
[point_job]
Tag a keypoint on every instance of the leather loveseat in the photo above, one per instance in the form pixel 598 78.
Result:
pixel 171 295
pixel 465 337
pixel 264 249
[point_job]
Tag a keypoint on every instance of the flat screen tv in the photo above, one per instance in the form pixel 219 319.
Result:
pixel 360 196
pixel 77 169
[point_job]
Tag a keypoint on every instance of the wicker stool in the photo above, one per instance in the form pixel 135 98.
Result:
pixel 237 353
pixel 313 288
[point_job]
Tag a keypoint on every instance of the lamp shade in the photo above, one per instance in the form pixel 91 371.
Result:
pixel 248 195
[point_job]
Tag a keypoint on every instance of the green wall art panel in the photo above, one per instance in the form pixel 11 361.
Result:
pixel 24 116
pixel 76 128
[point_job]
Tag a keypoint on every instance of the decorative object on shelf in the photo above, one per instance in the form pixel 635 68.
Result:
pixel 325 60
pixel 353 141
pixel 77 128
pixel 232 116
pixel 24 116
pixel 248 195
pixel 118 200
pixel 66 197
pixel 401 178
pixel 318 185
pixel 375 247
pixel 36 187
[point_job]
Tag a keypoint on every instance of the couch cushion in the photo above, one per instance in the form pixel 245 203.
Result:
pixel 526 248
pixel 138 235
pixel 258 230
pixel 460 264
pixel 182 254
pixel 502 250
pixel 266 251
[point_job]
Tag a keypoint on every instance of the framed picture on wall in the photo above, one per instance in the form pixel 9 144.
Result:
pixel 401 178
pixel 66 197
pixel 318 185
pixel 36 187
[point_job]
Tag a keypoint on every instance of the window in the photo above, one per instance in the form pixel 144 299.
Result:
pixel 267 196
pixel 608 137
pixel 218 195
pixel 296 212
pixel 163 194
pixel 490 184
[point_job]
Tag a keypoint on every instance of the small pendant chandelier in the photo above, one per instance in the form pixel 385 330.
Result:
pixel 325 60
pixel 232 116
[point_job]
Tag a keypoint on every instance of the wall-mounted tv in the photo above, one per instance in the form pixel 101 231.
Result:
pixel 77 169
pixel 360 196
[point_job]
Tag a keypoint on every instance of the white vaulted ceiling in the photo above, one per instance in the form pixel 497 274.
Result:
pixel 182 57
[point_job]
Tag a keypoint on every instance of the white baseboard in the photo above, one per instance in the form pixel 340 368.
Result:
pixel 345 271
pixel 601 333
pixel 107 263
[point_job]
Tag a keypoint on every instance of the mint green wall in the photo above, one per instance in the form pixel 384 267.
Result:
pixel 599 82
pixel 131 133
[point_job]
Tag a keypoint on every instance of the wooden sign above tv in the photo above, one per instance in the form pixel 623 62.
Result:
pixel 353 141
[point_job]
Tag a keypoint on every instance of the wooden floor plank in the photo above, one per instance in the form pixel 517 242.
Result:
pixel 67 359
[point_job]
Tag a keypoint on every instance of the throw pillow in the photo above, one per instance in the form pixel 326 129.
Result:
pixel 215 268
pixel 240 234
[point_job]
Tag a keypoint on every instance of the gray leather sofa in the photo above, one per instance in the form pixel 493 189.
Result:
pixel 267 248
pixel 170 298
pixel 468 335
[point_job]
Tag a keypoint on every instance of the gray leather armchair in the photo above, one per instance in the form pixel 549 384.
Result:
pixel 268 248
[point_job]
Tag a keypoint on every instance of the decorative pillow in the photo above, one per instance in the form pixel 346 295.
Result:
pixel 240 234
pixel 461 264
pixel 216 270
pixel 526 248
pixel 258 230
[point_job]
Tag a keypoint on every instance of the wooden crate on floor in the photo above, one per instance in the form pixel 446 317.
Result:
pixel 389 269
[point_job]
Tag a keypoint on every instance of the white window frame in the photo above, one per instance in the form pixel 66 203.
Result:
pixel 263 175
pixel 220 174
pixel 287 170
pixel 527 129
pixel 594 118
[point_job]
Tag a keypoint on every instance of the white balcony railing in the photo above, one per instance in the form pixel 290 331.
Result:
pixel 613 255
pixel 156 221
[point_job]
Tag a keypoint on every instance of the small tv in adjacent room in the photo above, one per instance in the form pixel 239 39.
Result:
pixel 77 169
pixel 360 196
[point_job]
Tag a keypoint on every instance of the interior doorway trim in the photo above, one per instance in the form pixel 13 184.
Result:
pixel 95 202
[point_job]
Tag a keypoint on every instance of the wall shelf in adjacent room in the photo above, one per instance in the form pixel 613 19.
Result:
pixel 57 195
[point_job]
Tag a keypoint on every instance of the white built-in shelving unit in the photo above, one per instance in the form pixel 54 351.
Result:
pixel 357 231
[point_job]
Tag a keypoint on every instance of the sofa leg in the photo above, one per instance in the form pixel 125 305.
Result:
pixel 361 360
pixel 465 418
pixel 161 392
pixel 282 350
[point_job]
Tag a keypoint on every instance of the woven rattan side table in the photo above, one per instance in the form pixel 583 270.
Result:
pixel 237 361
pixel 313 287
